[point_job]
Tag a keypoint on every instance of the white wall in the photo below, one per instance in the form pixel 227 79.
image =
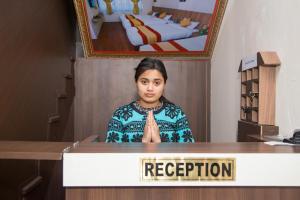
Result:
pixel 248 27
pixel 205 6
pixel 147 6
pixel 167 3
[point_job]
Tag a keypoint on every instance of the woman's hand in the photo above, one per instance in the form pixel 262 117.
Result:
pixel 155 134
pixel 151 130
pixel 147 132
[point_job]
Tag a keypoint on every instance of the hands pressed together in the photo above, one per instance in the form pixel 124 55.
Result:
pixel 151 130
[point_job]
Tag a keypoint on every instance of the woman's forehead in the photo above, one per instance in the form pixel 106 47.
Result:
pixel 151 74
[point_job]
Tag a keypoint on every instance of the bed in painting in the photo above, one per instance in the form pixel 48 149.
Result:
pixel 128 20
pixel 157 33
pixel 182 45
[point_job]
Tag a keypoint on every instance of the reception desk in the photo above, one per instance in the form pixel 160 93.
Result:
pixel 117 171
pixel 93 170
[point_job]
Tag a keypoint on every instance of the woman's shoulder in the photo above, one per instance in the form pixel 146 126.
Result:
pixel 172 106
pixel 124 112
pixel 125 106
pixel 172 110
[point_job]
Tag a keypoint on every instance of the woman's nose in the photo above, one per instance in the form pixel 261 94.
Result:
pixel 150 86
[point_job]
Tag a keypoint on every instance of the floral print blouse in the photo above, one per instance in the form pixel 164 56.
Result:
pixel 128 122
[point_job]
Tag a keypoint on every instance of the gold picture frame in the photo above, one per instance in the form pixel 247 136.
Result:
pixel 206 53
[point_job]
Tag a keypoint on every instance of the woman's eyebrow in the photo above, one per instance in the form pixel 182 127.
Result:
pixel 149 79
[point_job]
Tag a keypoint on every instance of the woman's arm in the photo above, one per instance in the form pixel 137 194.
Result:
pixel 115 131
pixel 183 130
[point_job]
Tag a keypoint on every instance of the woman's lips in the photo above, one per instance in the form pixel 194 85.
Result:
pixel 149 95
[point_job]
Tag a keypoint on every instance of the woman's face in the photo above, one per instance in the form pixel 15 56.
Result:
pixel 150 86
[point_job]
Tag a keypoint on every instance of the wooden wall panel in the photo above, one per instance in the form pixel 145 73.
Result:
pixel 102 85
pixel 37 41
pixel 181 193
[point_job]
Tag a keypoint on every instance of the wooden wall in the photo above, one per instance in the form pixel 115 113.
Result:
pixel 102 85
pixel 37 41
pixel 180 193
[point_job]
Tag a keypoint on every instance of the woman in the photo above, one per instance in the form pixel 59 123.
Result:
pixel 152 118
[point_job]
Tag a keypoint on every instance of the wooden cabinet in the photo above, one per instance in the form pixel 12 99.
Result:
pixel 245 129
pixel 258 87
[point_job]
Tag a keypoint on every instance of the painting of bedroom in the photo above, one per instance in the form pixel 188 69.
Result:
pixel 150 25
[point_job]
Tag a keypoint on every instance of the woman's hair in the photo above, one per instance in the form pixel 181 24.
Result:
pixel 151 64
pixel 148 64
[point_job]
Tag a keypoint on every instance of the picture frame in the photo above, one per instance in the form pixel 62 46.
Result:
pixel 90 50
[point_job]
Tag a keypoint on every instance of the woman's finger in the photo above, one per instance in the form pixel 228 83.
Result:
pixel 151 117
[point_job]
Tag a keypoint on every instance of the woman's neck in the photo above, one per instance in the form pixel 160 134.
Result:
pixel 148 105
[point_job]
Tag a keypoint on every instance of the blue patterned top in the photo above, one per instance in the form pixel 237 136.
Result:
pixel 128 122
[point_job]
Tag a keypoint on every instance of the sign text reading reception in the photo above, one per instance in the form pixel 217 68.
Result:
pixel 206 169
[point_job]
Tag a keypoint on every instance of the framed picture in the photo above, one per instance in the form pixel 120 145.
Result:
pixel 186 31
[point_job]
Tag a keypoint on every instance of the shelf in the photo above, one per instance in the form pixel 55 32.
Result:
pixel 255 102
pixel 258 88
pixel 254 87
pixel 243 115
pixel 255 80
pixel 255 73
pixel 257 99
pixel 243 101
pixel 254 108
pixel 243 77
pixel 254 114
pixel 243 89
pixel 248 102
pixel 248 116
pixel 249 75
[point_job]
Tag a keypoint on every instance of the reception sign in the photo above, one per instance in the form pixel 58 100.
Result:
pixel 188 169
pixel 181 169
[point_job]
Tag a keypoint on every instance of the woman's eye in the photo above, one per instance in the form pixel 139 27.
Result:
pixel 157 83
pixel 144 82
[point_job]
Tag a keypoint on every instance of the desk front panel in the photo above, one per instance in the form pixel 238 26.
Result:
pixel 261 165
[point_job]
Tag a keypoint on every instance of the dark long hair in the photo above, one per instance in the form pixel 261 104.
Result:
pixel 150 64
